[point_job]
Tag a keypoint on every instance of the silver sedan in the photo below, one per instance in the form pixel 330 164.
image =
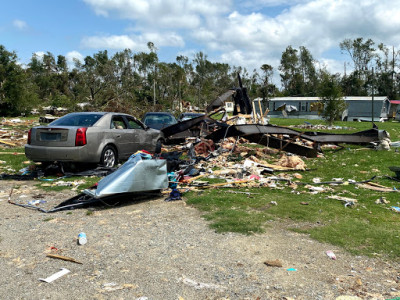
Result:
pixel 91 137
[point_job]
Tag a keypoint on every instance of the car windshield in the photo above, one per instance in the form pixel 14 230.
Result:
pixel 189 116
pixel 77 120
pixel 159 119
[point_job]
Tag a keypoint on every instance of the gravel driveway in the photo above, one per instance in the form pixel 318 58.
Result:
pixel 154 249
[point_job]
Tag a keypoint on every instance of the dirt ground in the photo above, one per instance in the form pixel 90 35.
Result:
pixel 152 249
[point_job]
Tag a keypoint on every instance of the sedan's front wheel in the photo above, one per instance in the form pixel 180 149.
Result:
pixel 108 157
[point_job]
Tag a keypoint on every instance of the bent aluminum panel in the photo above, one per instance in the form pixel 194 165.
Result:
pixel 136 175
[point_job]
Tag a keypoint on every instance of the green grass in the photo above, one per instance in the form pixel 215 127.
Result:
pixel 367 228
pixel 13 161
pixel 88 182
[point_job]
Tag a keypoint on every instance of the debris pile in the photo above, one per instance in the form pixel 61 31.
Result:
pixel 10 133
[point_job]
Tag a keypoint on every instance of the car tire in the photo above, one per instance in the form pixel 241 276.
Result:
pixel 108 157
pixel 159 144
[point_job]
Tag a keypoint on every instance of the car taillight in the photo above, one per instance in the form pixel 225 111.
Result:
pixel 80 138
pixel 29 136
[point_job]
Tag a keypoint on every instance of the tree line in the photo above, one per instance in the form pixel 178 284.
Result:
pixel 139 82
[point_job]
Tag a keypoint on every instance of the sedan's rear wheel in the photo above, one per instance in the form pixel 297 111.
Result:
pixel 108 157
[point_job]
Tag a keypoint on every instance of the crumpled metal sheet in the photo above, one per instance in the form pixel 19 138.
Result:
pixel 135 175
pixel 361 137
pixel 220 101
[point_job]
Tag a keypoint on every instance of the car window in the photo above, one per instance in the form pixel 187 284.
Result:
pixel 133 124
pixel 153 119
pixel 168 120
pixel 77 120
pixel 118 123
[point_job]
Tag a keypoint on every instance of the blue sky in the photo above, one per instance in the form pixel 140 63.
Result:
pixel 238 32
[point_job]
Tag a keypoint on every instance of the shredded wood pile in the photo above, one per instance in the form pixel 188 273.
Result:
pixel 10 133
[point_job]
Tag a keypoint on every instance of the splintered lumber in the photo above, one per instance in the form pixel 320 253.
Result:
pixel 223 184
pixel 64 258
pixel 8 143
pixel 194 178
pixel 377 187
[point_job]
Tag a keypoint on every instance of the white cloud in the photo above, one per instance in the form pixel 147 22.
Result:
pixel 19 24
pixel 165 13
pixel 39 54
pixel 134 42
pixel 319 25
pixel 70 56
pixel 163 39
pixel 110 42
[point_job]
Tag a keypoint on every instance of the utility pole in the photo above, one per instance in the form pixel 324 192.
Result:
pixel 373 87
pixel 393 71
pixel 154 92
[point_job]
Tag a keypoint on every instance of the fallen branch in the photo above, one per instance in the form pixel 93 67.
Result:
pixel 64 258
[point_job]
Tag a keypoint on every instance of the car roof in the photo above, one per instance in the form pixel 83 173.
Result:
pixel 98 113
pixel 191 114
pixel 159 113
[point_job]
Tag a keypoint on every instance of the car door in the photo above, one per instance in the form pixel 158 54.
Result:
pixel 121 135
pixel 140 138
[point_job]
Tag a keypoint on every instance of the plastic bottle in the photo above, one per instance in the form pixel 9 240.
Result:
pixel 82 239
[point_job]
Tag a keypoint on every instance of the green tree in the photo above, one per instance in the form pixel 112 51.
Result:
pixel 16 92
pixel 385 72
pixel 268 71
pixel 202 65
pixel 360 52
pixel 145 65
pixel 331 96
pixel 308 72
pixel 298 73
pixel 97 77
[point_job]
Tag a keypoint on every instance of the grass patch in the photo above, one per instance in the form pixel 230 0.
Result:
pixel 56 184
pixel 12 161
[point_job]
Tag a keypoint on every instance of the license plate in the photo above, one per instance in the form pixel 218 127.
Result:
pixel 50 136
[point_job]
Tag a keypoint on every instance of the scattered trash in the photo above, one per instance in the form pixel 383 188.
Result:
pixel 291 269
pixel 82 239
pixel 55 276
pixel 350 298
pixel 347 201
pixel 396 209
pixel 377 187
pixel 316 189
pixel 36 202
pixel 112 286
pixel 316 180
pixel 382 200
pixel 273 263
pixel 174 195
pixel 384 144
pixel 200 285
pixel 331 255
pixel 66 258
